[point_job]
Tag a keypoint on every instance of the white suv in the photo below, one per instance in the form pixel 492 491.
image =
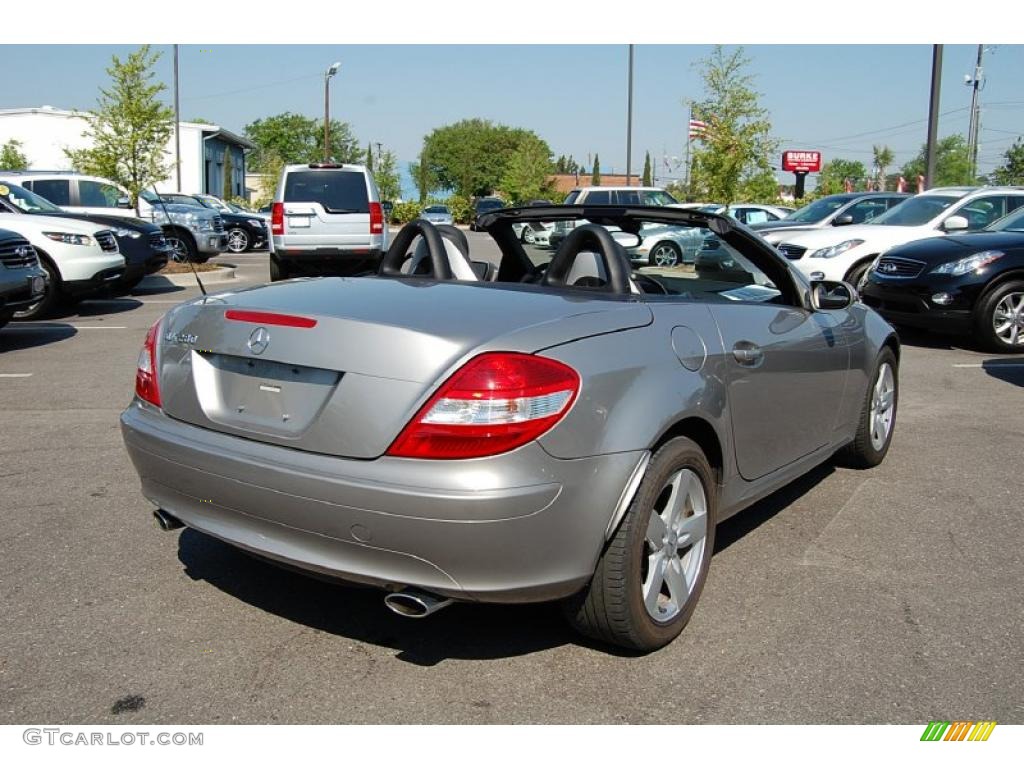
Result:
pixel 326 218
pixel 619 196
pixel 846 253
pixel 79 257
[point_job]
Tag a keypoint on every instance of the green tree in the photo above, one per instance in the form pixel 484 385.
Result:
pixel 386 175
pixel 528 173
pixel 759 187
pixel 736 144
pixel 646 178
pixel 229 172
pixel 952 163
pixel 883 158
pixel 292 138
pixel 595 174
pixel 470 157
pixel 834 174
pixel 369 157
pixel 1012 169
pixel 422 177
pixel 11 156
pixel 129 130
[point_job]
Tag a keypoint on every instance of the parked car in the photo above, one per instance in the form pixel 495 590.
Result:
pixel 142 244
pixel 619 196
pixel 326 218
pixel 962 284
pixel 748 213
pixel 22 279
pixel 831 211
pixel 571 431
pixel 847 252
pixel 194 236
pixel 80 258
pixel 484 205
pixel 438 214
pixel 245 231
pixel 667 246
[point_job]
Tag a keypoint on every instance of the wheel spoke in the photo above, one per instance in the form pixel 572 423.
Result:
pixel 657 564
pixel 675 580
pixel 693 529
pixel 675 498
pixel 656 530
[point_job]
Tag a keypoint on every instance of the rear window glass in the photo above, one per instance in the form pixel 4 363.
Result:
pixel 336 191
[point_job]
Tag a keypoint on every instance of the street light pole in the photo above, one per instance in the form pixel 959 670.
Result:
pixel 177 123
pixel 972 135
pixel 629 120
pixel 327 109
pixel 933 116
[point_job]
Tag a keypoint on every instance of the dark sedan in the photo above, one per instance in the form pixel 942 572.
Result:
pixel 963 284
pixel 143 245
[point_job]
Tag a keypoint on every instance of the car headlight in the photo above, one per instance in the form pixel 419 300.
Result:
pixel 968 264
pixel 69 238
pixel 134 234
pixel 835 250
pixel 255 223
pixel 205 225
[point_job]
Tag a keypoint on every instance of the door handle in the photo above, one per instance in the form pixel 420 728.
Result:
pixel 747 353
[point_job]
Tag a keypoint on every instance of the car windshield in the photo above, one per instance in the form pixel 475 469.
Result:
pixel 216 204
pixel 27 201
pixel 816 211
pixel 486 205
pixel 435 209
pixel 915 211
pixel 1013 222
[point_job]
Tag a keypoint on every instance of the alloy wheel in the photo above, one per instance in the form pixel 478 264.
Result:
pixel 1008 319
pixel 665 255
pixel 238 241
pixel 179 251
pixel 674 545
pixel 883 400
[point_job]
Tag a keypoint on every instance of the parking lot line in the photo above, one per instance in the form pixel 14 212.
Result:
pixel 53 326
pixel 14 375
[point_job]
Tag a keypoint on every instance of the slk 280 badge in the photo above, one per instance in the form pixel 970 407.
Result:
pixel 181 338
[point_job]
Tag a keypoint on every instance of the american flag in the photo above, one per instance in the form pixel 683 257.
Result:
pixel 697 129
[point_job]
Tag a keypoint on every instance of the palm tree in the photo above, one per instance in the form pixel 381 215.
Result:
pixel 883 159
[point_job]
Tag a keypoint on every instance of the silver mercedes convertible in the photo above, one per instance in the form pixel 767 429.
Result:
pixel 530 426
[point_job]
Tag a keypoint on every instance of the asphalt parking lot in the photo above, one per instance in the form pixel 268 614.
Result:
pixel 889 595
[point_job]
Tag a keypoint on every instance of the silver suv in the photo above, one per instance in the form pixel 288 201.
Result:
pixel 326 219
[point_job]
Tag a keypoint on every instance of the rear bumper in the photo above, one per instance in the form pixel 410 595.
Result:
pixel 521 527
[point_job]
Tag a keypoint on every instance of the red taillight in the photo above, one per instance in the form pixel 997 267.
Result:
pixel 269 318
pixel 376 219
pixel 147 385
pixel 494 403
pixel 277 219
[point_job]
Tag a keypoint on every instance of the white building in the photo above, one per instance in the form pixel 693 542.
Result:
pixel 45 132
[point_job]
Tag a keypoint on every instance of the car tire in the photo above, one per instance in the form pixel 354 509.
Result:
pixel 626 603
pixel 183 248
pixel 1001 307
pixel 238 240
pixel 877 420
pixel 52 300
pixel 278 271
pixel 857 272
pixel 665 254
pixel 528 236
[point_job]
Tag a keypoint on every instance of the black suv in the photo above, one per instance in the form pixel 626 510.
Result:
pixel 970 283
pixel 482 206
pixel 246 232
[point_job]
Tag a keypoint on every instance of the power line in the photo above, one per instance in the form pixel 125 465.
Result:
pixel 895 127
pixel 253 88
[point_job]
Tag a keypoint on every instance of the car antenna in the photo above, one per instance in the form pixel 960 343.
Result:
pixel 167 215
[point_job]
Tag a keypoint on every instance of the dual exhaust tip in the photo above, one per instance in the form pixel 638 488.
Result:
pixel 409 603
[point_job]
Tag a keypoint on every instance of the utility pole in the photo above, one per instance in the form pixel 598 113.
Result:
pixel 976 83
pixel 933 116
pixel 629 119
pixel 177 123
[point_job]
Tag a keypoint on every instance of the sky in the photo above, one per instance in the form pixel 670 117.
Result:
pixel 837 99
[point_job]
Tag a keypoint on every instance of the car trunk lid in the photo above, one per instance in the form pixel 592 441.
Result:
pixel 340 365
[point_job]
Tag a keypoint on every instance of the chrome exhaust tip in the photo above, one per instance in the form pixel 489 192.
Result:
pixel 413 604
pixel 167 521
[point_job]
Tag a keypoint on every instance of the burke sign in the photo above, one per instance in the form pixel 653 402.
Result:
pixel 801 161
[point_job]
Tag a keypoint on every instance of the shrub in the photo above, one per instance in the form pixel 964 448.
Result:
pixel 403 213
pixel 461 208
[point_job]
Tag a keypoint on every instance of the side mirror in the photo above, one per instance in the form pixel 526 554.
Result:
pixel 955 224
pixel 842 221
pixel 124 202
pixel 832 294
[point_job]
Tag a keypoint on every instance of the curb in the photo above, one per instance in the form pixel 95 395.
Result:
pixel 187 279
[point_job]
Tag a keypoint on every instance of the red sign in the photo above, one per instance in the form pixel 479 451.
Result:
pixel 801 161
